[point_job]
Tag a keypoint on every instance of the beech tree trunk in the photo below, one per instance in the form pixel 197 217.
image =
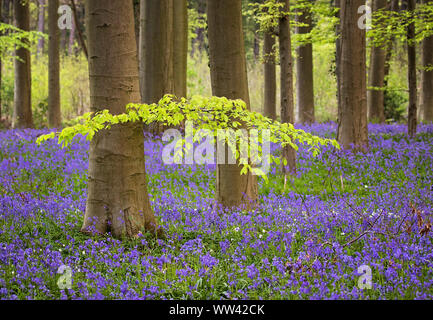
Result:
pixel 286 87
pixel 1 65
pixel 411 67
pixel 427 77
pixel 157 58
pixel 180 47
pixel 270 98
pixel 394 7
pixel 352 109
pixel 117 198
pixel 41 25
pixel 229 79
pixel 22 117
pixel 376 76
pixel 142 48
pixel 304 71
pixel 338 51
pixel 54 114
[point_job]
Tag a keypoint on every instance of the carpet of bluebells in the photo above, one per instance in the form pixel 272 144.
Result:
pixel 341 211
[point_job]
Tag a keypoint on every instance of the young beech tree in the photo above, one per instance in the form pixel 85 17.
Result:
pixel 117 191
pixel 54 114
pixel 117 199
pixel 229 79
pixel 114 193
pixel 22 115
pixel 352 108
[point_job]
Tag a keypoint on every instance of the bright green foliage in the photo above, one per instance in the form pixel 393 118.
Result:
pixel 13 37
pixel 268 14
pixel 388 25
pixel 212 114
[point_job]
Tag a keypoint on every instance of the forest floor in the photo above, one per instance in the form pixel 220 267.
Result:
pixel 343 214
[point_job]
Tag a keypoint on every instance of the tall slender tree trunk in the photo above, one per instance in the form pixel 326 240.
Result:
pixel 412 82
pixel 180 47
pixel 286 78
pixel 142 48
pixel 72 39
pixel 54 114
pixel 78 30
pixel 117 198
pixel 41 25
pixel 22 117
pixel 376 76
pixel 229 79
pixel 157 57
pixel 427 77
pixel 1 65
pixel 352 109
pixel 270 98
pixel 337 6
pixel 394 7
pixel 5 18
pixel 304 71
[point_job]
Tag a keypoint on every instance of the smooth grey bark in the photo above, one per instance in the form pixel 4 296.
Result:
pixel 229 79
